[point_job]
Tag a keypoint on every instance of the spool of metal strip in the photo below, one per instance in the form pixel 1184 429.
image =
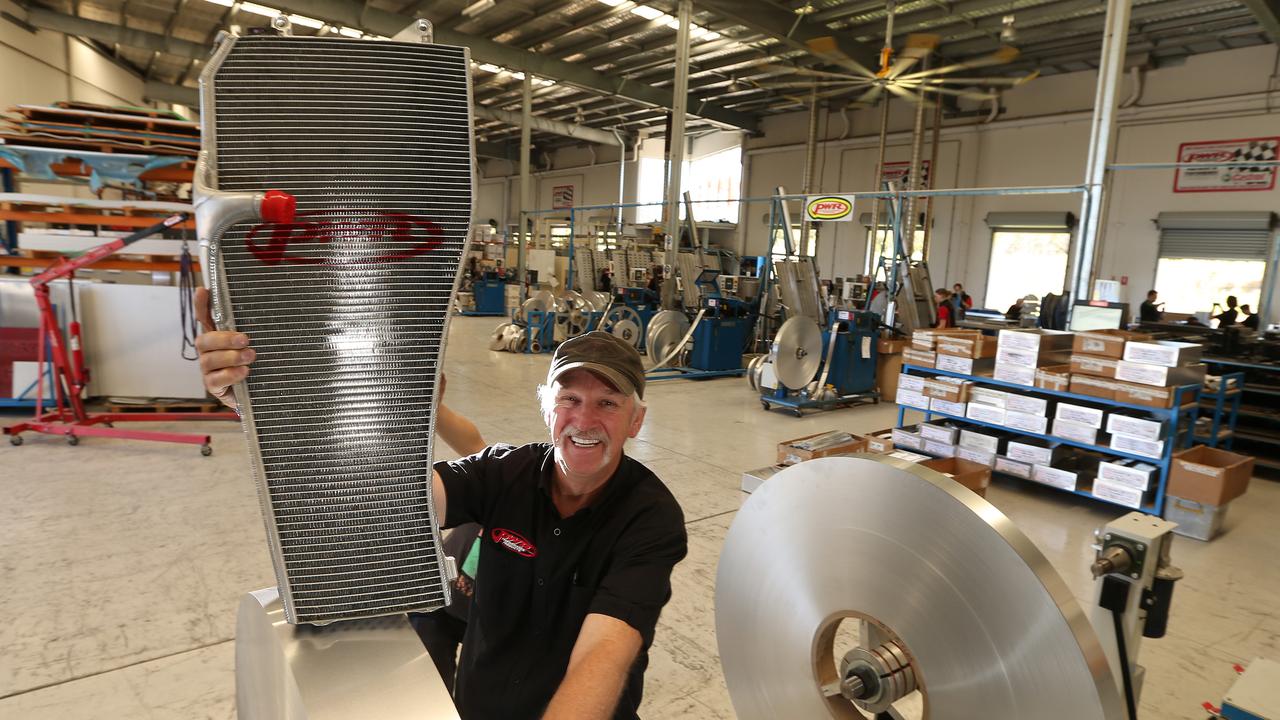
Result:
pixel 665 330
pixel 623 322
pixel 797 352
pixel 963 605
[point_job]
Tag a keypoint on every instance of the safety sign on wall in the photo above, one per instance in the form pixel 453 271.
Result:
pixel 1236 178
pixel 562 196
pixel 828 208
pixel 897 173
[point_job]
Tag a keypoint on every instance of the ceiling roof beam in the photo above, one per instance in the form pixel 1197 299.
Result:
pixel 786 27
pixel 1268 14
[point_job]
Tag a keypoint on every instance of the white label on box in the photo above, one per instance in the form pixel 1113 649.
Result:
pixel 1117 493
pixel 912 398
pixel 1052 476
pixel 955 364
pixel 946 406
pixel 1077 432
pixel 907 440
pixel 939 449
pixel 1137 445
pixel 987 396
pixel 940 433
pixel 1015 356
pixel 979 441
pixel 1019 340
pixel 1034 454
pixel 910 382
pixel 1027 404
pixel 1013 467
pixel 1016 374
pixel 1165 353
pixel 1080 414
pixel 1137 427
pixel 985 413
pixel 1135 476
pixel 1157 375
pixel 1027 423
pixel 908 456
pixel 981 457
pixel 879 445
pixel 1093 344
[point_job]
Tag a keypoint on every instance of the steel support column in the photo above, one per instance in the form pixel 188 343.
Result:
pixel 810 163
pixel 526 202
pixel 1110 74
pixel 681 94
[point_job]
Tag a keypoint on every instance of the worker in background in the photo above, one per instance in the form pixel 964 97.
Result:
pixel 1149 310
pixel 942 297
pixel 878 303
pixel 1015 310
pixel 580 539
pixel 1227 317
pixel 606 280
pixel 1250 318
pixel 960 302
pixel 655 279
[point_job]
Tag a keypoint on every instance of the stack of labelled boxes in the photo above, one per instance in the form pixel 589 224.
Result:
pixel 1020 353
pixel 1094 358
pixel 957 344
pixel 965 352
pixel 1150 372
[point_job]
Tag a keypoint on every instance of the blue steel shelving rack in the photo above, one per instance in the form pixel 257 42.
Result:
pixel 1185 406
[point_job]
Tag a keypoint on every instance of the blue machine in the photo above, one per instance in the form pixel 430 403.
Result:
pixel 719 337
pixel 490 294
pixel 851 373
pixel 643 301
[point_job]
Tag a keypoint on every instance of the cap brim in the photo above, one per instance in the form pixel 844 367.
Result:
pixel 606 373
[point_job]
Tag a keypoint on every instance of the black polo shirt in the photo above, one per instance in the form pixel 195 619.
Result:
pixel 540 575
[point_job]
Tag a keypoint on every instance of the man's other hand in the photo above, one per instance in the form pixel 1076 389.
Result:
pixel 224 355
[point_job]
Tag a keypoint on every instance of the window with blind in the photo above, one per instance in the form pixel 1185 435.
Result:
pixel 1207 256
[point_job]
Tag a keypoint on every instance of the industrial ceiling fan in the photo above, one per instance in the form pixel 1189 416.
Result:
pixel 895 73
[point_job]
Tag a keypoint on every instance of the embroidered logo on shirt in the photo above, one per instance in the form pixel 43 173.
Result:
pixel 514 542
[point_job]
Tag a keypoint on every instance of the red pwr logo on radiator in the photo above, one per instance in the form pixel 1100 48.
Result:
pixel 297 242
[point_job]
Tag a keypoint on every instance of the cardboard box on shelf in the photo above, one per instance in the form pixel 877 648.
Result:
pixel 1036 340
pixel 1014 420
pixel 911 398
pixel 907 455
pixel 1054 377
pixel 1201 521
pixel 938 449
pixel 1016 374
pixel 1093 386
pixel 965 365
pixel 985 413
pixel 988 396
pixel 946 431
pixel 1030 358
pixel 1163 352
pixel 1035 451
pixel 1055 477
pixel 880 441
pixel 1209 475
pixel 927 339
pixel 1082 414
pixel 886 346
pixel 1013 467
pixel 947 388
pixel 946 406
pixel 970 346
pixel 1075 431
pixel 1145 395
pixel 911 382
pixel 1138 446
pixel 1118 493
pixel 790 454
pixel 1160 375
pixel 1029 404
pixel 1096 366
pixel 992 441
pixel 1105 343
pixel 972 475
pixel 908 437
pixel 982 457
pixel 919 358
pixel 1129 472
pixel 888 366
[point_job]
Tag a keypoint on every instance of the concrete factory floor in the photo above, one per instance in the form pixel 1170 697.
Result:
pixel 122 563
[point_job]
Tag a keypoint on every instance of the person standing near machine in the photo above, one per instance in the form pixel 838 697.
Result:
pixel 606 280
pixel 1227 317
pixel 961 301
pixel 946 317
pixel 1250 318
pixel 1150 310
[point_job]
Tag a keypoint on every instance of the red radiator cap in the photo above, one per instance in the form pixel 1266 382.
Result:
pixel 278 206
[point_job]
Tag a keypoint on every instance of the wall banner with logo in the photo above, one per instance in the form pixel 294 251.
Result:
pixel 828 208
pixel 898 172
pixel 562 196
pixel 1238 178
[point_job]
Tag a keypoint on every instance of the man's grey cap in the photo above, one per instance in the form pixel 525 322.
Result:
pixel 610 357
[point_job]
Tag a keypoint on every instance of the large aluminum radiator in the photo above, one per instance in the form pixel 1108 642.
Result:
pixel 347 306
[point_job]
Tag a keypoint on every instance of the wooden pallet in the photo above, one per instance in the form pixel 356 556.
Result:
pixel 168 406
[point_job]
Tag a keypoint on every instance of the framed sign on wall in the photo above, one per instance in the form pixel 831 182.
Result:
pixel 1237 178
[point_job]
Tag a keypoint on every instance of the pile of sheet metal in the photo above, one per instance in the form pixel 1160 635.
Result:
pixel 100 128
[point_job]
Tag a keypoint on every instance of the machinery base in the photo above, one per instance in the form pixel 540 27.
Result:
pixel 373 669
pixel 688 373
pixel 798 405
pixel 66 424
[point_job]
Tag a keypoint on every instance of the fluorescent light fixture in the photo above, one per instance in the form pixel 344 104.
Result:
pixel 673 23
pixel 223 3
pixel 711 35
pixel 477 7
pixel 612 3
pixel 647 12
pixel 257 9
pixel 305 21
pixel 350 32
pixel 490 67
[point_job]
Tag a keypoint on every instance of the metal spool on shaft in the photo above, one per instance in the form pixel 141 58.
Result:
pixel 959 603
pixel 623 322
pixel 666 330
pixel 797 352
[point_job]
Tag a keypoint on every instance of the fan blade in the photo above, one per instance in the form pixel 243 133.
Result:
pixel 1011 81
pixel 828 49
pixel 904 93
pixel 918 47
pixel 807 72
pixel 869 96
pixel 999 57
pixel 813 83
